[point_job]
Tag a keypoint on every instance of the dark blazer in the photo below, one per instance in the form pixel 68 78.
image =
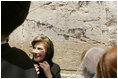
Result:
pixel 55 70
pixel 15 63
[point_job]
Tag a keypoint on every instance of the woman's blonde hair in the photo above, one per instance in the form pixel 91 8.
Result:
pixel 42 39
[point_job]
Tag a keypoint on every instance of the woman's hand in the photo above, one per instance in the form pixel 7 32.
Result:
pixel 37 68
pixel 46 68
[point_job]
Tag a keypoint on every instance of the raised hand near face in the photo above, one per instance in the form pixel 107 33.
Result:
pixel 46 68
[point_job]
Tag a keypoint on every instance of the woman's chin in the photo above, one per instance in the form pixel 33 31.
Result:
pixel 37 60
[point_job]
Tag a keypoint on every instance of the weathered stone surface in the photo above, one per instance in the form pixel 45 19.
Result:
pixel 72 26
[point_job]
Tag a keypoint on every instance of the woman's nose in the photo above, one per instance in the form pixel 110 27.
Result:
pixel 35 51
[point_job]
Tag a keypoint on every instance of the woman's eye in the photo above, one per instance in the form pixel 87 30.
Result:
pixel 39 48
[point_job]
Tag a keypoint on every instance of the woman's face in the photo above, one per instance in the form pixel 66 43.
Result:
pixel 39 52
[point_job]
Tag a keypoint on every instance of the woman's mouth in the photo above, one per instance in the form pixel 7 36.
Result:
pixel 37 55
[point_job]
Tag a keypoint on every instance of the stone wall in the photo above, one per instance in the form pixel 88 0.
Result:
pixel 73 26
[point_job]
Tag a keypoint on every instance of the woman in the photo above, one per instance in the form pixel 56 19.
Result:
pixel 43 52
pixel 107 66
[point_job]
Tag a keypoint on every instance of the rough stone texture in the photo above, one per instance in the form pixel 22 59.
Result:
pixel 72 26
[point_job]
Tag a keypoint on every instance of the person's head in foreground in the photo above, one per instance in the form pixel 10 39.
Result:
pixel 13 14
pixel 90 61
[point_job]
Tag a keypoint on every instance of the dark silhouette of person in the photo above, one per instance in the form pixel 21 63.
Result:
pixel 14 62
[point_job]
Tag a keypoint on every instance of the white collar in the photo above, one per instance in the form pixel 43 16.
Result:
pixel 3 42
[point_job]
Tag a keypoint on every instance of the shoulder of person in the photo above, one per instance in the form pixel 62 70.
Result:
pixel 19 52
pixel 55 65
pixel 21 57
pixel 55 68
